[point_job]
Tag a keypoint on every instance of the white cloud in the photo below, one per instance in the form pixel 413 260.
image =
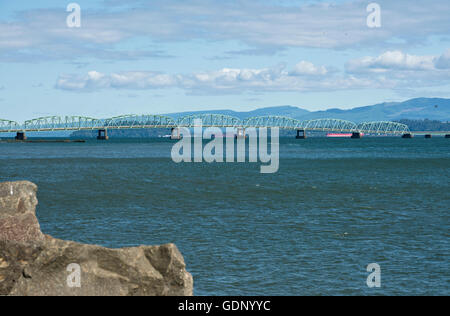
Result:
pixel 307 68
pixel 390 70
pixel 391 60
pixel 94 80
pixel 399 70
pixel 304 77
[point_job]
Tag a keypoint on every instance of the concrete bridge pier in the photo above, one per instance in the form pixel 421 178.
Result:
pixel 356 135
pixel 21 136
pixel 175 133
pixel 428 136
pixel 408 135
pixel 301 134
pixel 102 134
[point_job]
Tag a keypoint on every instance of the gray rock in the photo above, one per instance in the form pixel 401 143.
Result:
pixel 35 264
pixel 18 220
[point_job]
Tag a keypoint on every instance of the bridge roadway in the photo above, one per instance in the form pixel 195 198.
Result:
pixel 74 123
pixel 433 133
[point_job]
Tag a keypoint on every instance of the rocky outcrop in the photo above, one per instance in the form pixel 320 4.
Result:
pixel 32 263
pixel 18 221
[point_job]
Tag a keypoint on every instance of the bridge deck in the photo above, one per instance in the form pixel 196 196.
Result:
pixel 75 123
pixel 437 133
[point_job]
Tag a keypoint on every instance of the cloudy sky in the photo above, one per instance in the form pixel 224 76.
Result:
pixel 162 56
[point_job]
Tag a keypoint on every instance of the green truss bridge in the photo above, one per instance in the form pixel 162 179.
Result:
pixel 76 123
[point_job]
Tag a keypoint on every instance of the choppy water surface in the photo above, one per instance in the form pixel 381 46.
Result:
pixel 335 206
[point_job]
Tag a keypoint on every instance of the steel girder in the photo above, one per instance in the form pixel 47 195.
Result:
pixel 271 122
pixel 330 125
pixel 383 128
pixel 7 125
pixel 52 123
pixel 210 120
pixel 139 121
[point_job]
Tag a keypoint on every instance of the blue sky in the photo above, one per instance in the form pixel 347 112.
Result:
pixel 164 56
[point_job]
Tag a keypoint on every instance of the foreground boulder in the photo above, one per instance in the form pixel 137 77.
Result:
pixel 32 263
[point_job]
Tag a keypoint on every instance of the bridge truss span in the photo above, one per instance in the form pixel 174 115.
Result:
pixel 135 121
pixel 271 122
pixel 209 120
pixel 330 125
pixel 138 121
pixel 383 128
pixel 7 125
pixel 61 123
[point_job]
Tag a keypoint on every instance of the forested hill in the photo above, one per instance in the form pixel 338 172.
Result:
pixel 426 125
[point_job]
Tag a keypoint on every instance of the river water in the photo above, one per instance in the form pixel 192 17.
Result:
pixel 334 207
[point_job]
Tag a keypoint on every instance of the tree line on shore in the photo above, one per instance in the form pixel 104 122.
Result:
pixel 426 125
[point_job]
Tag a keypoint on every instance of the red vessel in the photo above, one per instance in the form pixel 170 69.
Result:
pixel 345 135
pixel 348 135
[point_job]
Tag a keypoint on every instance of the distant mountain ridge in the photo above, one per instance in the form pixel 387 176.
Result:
pixel 287 110
pixel 414 109
pixel 421 114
